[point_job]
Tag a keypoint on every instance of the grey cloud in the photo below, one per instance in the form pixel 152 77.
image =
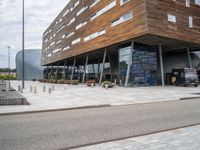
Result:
pixel 38 15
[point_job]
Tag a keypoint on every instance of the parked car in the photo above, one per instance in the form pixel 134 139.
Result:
pixel 185 77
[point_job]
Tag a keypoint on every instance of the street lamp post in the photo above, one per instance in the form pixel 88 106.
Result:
pixel 9 66
pixel 23 86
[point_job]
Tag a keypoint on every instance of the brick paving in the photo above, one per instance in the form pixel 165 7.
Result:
pixel 180 139
pixel 11 97
pixel 73 96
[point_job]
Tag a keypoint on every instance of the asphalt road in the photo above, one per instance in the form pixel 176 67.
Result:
pixel 66 129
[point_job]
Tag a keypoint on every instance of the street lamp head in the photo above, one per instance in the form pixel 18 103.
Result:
pixel 9 47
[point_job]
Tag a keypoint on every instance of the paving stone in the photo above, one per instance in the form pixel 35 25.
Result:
pixel 170 140
pixel 11 97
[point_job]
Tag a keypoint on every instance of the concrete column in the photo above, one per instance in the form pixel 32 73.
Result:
pixel 161 65
pixel 93 69
pixel 47 72
pixel 104 59
pixel 129 64
pixel 72 75
pixel 189 58
pixel 85 68
pixel 51 72
pixel 110 68
pixel 98 70
pixel 64 70
pixel 57 70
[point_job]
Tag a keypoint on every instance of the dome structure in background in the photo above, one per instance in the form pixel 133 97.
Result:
pixel 32 64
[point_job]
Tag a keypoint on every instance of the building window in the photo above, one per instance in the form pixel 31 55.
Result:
pixel 171 18
pixel 63 36
pixel 67 11
pixel 58 42
pixel 190 21
pixel 105 9
pixel 49 55
pixel 45 34
pixel 81 10
pixel 52 43
pixel 66 48
pixel 81 25
pixel 60 28
pixel 123 2
pixel 122 19
pixel 94 3
pixel 187 3
pixel 70 34
pixel 197 2
pixel 94 35
pixel 71 21
pixel 46 41
pixel 57 50
pixel 76 41
pixel 76 4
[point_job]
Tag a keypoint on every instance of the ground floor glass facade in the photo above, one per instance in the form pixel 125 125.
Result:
pixel 143 70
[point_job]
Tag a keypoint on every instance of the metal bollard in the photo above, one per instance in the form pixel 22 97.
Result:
pixel 31 88
pixel 49 91
pixel 106 86
pixel 44 88
pixel 53 88
pixel 35 90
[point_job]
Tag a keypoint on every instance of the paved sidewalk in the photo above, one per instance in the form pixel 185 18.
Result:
pixel 72 96
pixel 180 139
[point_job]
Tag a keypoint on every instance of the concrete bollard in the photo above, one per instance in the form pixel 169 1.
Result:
pixel 31 88
pixel 7 86
pixel 92 85
pixel 19 88
pixel 65 87
pixel 35 90
pixel 44 88
pixel 49 91
pixel 115 81
pixel 53 88
pixel 106 86
pixel 120 82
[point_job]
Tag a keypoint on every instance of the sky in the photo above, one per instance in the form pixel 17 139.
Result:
pixel 38 16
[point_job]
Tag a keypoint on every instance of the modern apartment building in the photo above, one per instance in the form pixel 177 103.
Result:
pixel 135 42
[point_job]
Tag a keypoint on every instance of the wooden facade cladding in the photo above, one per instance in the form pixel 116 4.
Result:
pixel 127 30
pixel 149 18
pixel 158 24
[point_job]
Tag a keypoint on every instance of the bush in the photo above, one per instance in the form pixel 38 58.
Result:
pixel 67 82
pixel 52 81
pixel 61 81
pixel 108 83
pixel 34 79
pixel 7 77
pixel 73 82
pixel 91 82
pixel 40 80
pixel 45 80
